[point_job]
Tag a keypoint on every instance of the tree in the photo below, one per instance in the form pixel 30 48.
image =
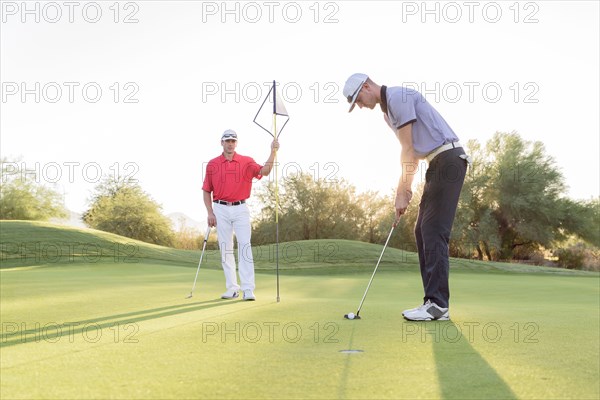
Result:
pixel 404 237
pixel 376 208
pixel 512 206
pixel 512 203
pixel 582 218
pixel 187 238
pixel 309 209
pixel 23 197
pixel 526 187
pixel 121 206
pixel 475 230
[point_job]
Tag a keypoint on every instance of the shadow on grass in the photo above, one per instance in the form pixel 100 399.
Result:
pixel 344 377
pixel 51 331
pixel 462 372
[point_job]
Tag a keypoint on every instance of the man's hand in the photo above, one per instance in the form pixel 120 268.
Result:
pixel 403 197
pixel 275 145
pixel 266 169
pixel 212 220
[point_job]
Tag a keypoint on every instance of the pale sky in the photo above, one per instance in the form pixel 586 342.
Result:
pixel 83 94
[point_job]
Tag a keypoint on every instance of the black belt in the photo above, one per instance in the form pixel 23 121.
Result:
pixel 229 203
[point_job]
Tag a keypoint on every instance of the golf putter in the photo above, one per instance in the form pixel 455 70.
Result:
pixel 200 263
pixel 357 315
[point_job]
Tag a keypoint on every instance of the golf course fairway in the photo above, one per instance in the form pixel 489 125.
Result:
pixel 96 327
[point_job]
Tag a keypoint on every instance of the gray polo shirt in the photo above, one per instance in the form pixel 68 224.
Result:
pixel 429 130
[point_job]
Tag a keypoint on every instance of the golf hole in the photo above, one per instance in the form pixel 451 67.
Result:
pixel 351 351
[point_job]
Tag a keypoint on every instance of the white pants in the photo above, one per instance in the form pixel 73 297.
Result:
pixel 236 219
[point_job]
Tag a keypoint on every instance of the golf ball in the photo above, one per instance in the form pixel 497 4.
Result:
pixel 350 315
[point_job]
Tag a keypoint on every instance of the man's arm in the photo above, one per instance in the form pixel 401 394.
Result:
pixel 212 220
pixel 266 169
pixel 410 165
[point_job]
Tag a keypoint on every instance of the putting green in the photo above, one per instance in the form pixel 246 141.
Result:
pixel 115 330
pixel 86 314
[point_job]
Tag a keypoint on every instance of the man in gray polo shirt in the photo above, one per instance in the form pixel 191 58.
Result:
pixel 423 134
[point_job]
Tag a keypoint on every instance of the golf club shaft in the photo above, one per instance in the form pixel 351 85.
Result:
pixel 201 256
pixel 375 270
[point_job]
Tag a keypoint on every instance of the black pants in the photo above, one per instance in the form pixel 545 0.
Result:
pixel 443 183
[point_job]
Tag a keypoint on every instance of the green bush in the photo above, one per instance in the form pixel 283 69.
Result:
pixel 579 256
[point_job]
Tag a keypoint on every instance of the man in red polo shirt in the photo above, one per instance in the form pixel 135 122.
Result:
pixel 227 185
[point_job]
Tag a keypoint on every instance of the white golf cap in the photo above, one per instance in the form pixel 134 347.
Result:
pixel 352 88
pixel 229 134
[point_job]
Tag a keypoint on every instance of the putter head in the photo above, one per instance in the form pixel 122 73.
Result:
pixel 189 296
pixel 356 316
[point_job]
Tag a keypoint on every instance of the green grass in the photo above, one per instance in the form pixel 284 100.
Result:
pixel 26 243
pixel 101 328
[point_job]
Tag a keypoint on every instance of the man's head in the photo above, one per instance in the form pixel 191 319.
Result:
pixel 362 91
pixel 229 134
pixel 229 141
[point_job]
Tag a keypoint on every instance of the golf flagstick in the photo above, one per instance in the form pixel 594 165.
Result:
pixel 200 262
pixel 279 110
pixel 276 197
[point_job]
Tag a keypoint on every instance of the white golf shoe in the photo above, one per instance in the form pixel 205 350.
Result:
pixel 249 295
pixel 411 310
pixel 230 294
pixel 427 312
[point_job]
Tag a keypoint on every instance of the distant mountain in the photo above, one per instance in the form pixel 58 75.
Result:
pixel 73 219
pixel 177 218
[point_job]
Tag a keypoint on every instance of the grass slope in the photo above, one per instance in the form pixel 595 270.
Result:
pixel 112 330
pixel 30 243
pixel 27 243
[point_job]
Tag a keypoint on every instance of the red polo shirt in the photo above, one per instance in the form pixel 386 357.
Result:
pixel 231 180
